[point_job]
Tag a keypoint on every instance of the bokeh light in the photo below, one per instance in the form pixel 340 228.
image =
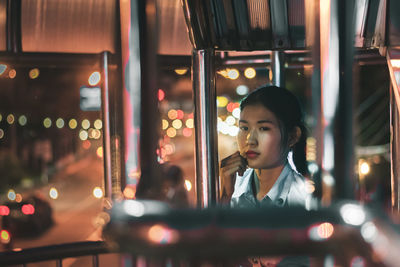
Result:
pixel 325 230
pixel 22 120
pixel 129 192
pixel 161 95
pixel 186 132
pixel 18 198
pixel 86 144
pixel 85 124
pixel 160 234
pixel 181 71
pixel 233 74
pixel 34 73
pixel 236 113
pixel 11 195
pixel 177 124
pixel 83 135
pixel 172 114
pixel 242 89
pixel 189 123
pixel 60 123
pixel 188 185
pixel 97 192
pixel 5 237
pixel 364 168
pixel 250 73
pixel 1 133
pixel 10 119
pixel 165 124
pixel 53 193
pixel 3 68
pixel 171 132
pixel 99 151
pixel 72 123
pixel 94 78
pixel 222 101
pixel 1 117
pixel 47 122
pixel 12 73
pixel 230 120
pixel 98 124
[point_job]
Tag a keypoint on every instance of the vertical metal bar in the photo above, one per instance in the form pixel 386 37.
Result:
pixel 95 260
pixel 14 39
pixel 204 91
pixel 105 108
pixel 278 68
pixel 59 263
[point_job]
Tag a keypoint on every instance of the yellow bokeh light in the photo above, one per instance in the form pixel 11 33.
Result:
pixel 99 152
pixel 10 119
pixel 85 124
pixel 222 101
pixel 60 123
pixel 233 74
pixel 12 73
pixel 165 124
pixel 172 114
pixel 364 168
pixel 83 135
pixel 188 185
pixel 94 78
pixel 181 71
pixel 22 120
pixel 250 73
pixel 190 123
pixel 34 73
pixel 1 117
pixel 171 132
pixel 1 133
pixel 177 124
pixel 47 122
pixel 395 63
pixel 53 193
pixel 98 124
pixel 97 192
pixel 72 123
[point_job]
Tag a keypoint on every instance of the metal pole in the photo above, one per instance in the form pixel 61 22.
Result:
pixel 204 91
pixel 278 68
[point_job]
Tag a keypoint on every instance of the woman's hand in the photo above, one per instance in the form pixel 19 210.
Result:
pixel 228 168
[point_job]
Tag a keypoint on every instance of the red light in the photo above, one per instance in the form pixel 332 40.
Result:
pixel 325 230
pixel 187 132
pixel 179 114
pixel 5 237
pixel 28 209
pixel 161 95
pixel 4 211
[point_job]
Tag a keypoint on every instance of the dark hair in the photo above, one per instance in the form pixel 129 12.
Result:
pixel 286 107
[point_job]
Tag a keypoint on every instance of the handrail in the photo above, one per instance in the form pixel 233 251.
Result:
pixel 54 252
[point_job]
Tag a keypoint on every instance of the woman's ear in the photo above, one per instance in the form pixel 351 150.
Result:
pixel 294 136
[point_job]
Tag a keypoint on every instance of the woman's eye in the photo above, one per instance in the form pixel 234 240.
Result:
pixel 264 128
pixel 243 128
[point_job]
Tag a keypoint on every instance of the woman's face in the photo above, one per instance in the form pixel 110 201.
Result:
pixel 259 138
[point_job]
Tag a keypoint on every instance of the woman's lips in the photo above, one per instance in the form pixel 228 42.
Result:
pixel 251 154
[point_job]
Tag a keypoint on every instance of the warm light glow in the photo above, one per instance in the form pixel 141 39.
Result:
pixel 364 168
pixel 250 73
pixel 172 114
pixel 186 132
pixel 99 152
pixel 352 214
pixel 94 78
pixel 230 120
pixel 95 134
pixel 1 133
pixel 1 117
pixel 134 208
pixel 180 114
pixel 11 195
pixel 12 73
pixel 129 192
pixel 325 230
pixel 10 119
pixel 188 185
pixel 309 186
pixel 171 132
pixel 72 123
pixel 395 63
pixel 189 123
pixel 160 234
pixel 236 113
pixel 181 71
pixel 60 123
pixel 4 210
pixel 22 120
pixel 3 68
pixel 18 198
pixel 165 124
pixel 231 106
pixel 222 101
pixel 233 74
pixel 98 124
pixel 28 209
pixel 85 124
pixel 161 95
pixel 86 144
pixel 369 232
pixel 83 135
pixel 177 124
pixel 97 192
pixel 47 122
pixel 53 193
pixel 5 237
pixel 34 73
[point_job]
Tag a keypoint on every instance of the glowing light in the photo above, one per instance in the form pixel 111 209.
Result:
pixel 171 132
pixel 169 149
pixel 250 73
pixel 230 120
pixel 325 230
pixel 231 106
pixel 60 123
pixel 5 237
pixel 94 133
pixel 99 152
pixel 161 235
pixel 98 124
pixel 10 119
pixel 222 101
pixel 180 114
pixel 181 71
pixel 165 124
pixel 352 214
pixel 395 63
pixel 188 185
pixel 134 208
pixel 129 192
pixel 1 133
pixel 189 123
pixel 177 124
pixel 53 193
pixel 186 132
pixel 3 68
pixel 161 95
pixel 172 114
pixel 72 123
pixel 233 74
pixel 233 130
pixel 86 144
pixel 83 135
pixel 28 209
pixel 18 198
pixel 236 113
pixel 85 124
pixel 1 117
pixel 22 120
pixel 364 168
pixel 11 195
pixel 94 78
pixel 309 186
pixel 4 210
pixel 97 192
pixel 47 122
pixel 242 89
pixel 369 232
pixel 12 73
pixel 34 73
pixel 328 180
pixel 313 167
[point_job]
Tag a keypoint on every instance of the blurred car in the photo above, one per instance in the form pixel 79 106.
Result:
pixel 27 218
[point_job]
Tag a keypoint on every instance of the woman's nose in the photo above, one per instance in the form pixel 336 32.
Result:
pixel 251 138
